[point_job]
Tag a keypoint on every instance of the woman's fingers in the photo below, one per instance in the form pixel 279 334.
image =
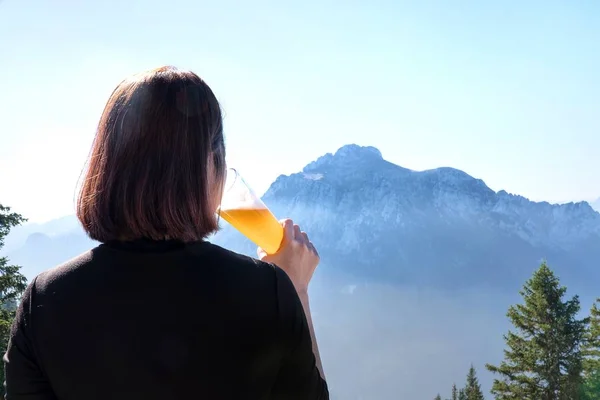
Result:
pixel 313 249
pixel 297 233
pixel 288 230
pixel 293 232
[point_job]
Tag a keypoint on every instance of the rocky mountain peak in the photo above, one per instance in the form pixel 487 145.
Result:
pixel 356 151
pixel 348 155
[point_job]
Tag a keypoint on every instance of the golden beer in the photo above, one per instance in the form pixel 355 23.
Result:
pixel 257 224
pixel 246 212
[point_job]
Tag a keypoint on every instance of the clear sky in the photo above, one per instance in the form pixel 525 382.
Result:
pixel 508 91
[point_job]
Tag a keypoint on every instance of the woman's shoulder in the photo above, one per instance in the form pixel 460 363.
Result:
pixel 99 264
pixel 235 262
pixel 63 271
pixel 223 254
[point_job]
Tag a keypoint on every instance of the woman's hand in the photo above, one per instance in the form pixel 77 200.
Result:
pixel 297 256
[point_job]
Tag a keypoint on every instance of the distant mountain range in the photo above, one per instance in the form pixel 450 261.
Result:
pixel 418 267
pixel 376 220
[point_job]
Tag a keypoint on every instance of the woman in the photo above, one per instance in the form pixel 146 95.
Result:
pixel 156 312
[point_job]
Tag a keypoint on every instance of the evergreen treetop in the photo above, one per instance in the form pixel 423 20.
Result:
pixel 543 359
pixel 454 392
pixel 473 388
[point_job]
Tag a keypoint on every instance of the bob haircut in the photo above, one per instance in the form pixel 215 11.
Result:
pixel 159 140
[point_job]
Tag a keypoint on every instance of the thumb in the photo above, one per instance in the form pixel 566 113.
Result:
pixel 261 254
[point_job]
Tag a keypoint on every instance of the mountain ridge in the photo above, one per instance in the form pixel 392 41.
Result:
pixel 440 188
pixel 352 153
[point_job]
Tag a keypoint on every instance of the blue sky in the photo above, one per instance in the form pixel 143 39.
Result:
pixel 507 91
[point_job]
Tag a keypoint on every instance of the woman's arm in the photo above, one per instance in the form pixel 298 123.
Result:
pixel 300 374
pixel 315 347
pixel 24 378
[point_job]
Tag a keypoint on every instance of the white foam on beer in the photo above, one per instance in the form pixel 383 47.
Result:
pixel 243 201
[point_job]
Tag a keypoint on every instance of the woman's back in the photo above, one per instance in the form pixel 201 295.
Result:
pixel 162 320
pixel 155 312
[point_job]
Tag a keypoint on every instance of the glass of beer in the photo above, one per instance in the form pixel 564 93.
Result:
pixel 247 213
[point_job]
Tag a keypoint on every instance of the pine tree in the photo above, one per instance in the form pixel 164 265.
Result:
pixel 591 351
pixel 12 285
pixel 473 388
pixel 543 360
pixel 438 397
pixel 591 363
pixel 454 392
pixel 462 395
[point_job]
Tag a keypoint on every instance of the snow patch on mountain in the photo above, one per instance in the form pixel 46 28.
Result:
pixel 313 177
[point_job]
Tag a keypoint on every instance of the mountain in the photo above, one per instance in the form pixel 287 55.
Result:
pixel 54 228
pixel 440 227
pixel 418 267
pixel 41 251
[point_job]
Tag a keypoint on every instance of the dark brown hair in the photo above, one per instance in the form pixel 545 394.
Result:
pixel 159 140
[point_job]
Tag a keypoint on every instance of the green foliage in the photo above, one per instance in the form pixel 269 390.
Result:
pixel 462 395
pixel 438 397
pixel 591 364
pixel 12 284
pixel 454 392
pixel 591 350
pixel 543 359
pixel 473 388
pixel 590 389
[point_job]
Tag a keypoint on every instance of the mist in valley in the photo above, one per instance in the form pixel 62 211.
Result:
pixel 391 342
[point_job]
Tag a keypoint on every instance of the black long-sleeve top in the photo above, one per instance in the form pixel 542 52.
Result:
pixel 161 320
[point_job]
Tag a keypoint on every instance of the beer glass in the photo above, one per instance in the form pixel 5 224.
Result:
pixel 247 213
